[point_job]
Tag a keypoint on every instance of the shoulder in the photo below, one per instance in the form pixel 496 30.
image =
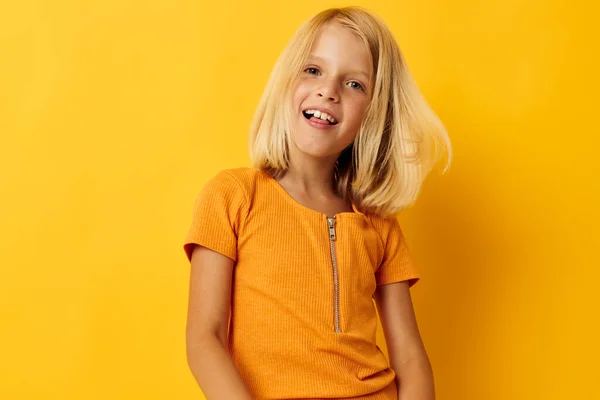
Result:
pixel 239 183
pixel 384 225
pixel 244 176
pixel 240 179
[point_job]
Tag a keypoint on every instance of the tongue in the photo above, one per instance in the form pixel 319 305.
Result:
pixel 319 120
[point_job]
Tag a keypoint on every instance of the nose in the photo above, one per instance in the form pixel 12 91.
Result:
pixel 329 91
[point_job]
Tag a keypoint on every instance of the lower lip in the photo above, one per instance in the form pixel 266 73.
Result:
pixel 319 125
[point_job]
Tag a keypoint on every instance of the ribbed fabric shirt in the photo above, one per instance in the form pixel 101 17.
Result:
pixel 303 321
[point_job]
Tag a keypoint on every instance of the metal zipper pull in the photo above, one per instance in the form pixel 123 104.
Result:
pixel 331 223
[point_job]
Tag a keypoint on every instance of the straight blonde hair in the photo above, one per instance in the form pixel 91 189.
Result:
pixel 399 141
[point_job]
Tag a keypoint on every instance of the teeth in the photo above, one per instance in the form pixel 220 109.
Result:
pixel 321 115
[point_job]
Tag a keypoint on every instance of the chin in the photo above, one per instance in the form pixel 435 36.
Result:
pixel 313 146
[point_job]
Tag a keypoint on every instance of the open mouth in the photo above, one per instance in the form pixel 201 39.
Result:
pixel 318 116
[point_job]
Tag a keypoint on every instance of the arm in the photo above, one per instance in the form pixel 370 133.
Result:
pixel 414 375
pixel 206 330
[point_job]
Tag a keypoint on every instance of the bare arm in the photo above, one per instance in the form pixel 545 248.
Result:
pixel 206 330
pixel 408 358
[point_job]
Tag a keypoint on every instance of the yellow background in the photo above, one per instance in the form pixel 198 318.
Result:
pixel 114 113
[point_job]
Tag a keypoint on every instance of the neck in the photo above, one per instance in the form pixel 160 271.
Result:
pixel 311 175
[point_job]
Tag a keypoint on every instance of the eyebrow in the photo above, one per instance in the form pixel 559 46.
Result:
pixel 354 71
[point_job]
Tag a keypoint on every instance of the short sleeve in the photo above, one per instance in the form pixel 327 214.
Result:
pixel 397 264
pixel 216 216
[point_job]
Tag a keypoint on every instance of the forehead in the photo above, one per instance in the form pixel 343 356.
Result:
pixel 340 47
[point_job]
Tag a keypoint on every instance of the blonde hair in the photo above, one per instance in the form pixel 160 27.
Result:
pixel 399 141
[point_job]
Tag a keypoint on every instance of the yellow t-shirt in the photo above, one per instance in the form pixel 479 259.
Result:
pixel 303 320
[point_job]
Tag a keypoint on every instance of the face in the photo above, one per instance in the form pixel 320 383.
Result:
pixel 332 93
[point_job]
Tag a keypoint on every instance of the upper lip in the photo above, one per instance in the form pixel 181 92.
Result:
pixel 323 110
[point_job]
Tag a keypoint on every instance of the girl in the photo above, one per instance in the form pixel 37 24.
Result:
pixel 291 258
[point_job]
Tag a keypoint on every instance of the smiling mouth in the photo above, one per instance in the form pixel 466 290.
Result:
pixel 319 117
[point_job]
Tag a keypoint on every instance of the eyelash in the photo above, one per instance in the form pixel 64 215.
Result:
pixel 316 69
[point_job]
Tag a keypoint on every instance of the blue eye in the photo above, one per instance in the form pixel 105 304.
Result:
pixel 311 70
pixel 355 85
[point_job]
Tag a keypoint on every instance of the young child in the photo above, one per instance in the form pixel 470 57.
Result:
pixel 292 257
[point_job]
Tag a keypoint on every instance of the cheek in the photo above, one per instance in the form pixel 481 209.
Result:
pixel 357 113
pixel 301 91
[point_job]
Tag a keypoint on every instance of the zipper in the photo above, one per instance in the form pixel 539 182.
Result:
pixel 336 293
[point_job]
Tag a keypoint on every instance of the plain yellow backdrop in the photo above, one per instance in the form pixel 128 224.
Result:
pixel 114 113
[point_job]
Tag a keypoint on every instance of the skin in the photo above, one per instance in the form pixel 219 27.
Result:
pixel 408 358
pixel 338 76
